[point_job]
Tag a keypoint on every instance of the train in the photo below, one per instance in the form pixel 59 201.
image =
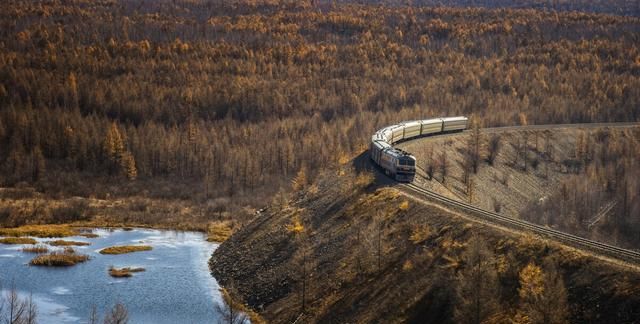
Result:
pixel 401 165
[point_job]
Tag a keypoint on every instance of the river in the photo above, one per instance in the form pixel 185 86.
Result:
pixel 176 287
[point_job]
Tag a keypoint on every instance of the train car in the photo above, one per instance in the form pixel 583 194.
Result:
pixel 430 126
pixel 397 163
pixel 376 149
pixel 397 134
pixel 411 129
pixel 454 124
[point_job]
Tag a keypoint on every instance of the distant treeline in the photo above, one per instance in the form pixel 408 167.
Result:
pixel 615 7
pixel 237 96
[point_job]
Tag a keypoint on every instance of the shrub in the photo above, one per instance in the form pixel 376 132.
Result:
pixel 125 249
pixel 17 240
pixel 77 210
pixel 59 259
pixel 39 231
pixel 420 234
pixel 40 248
pixel 123 272
pixel 67 243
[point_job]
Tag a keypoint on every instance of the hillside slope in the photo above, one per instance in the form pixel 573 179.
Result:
pixel 571 175
pixel 373 254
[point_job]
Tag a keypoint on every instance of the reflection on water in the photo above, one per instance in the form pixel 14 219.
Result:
pixel 175 288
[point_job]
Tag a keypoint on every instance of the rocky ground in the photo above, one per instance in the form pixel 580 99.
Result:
pixel 371 254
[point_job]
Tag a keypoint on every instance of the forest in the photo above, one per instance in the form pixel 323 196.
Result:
pixel 233 98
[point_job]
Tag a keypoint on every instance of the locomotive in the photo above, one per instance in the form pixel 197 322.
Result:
pixel 401 165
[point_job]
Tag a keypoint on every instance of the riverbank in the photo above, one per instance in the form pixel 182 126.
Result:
pixel 23 207
pixel 216 232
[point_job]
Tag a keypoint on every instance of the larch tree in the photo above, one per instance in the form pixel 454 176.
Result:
pixel 113 146
pixel 477 284
pixel 543 297
pixel 475 144
pixel 443 164
pixel 493 149
pixel 120 159
pixel 38 164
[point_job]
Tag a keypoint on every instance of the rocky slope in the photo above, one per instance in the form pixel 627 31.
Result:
pixel 372 254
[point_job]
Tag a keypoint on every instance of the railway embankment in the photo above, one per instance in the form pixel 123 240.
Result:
pixel 354 249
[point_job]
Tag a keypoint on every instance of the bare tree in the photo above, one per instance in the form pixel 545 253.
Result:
pixel 31 311
pixel 429 162
pixel 1 301
pixel 443 164
pixel 302 267
pixel 474 145
pixel 230 309
pixel 118 315
pixel 470 189
pixel 15 306
pixel 93 316
pixel 477 287
pixel 493 149
pixel 525 149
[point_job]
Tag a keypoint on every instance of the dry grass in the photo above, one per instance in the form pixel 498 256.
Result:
pixel 59 259
pixel 420 234
pixel 125 249
pixel 40 248
pixel 219 232
pixel 67 243
pixel 39 231
pixel 404 205
pixel 123 272
pixel 89 235
pixel 17 240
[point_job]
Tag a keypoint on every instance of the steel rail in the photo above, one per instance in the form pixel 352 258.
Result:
pixel 574 241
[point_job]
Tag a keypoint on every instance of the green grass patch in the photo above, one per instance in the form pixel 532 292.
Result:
pixel 59 259
pixel 67 243
pixel 122 249
pixel 40 248
pixel 17 240
pixel 123 272
pixel 39 231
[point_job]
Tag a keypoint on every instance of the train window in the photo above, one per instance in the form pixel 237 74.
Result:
pixel 408 162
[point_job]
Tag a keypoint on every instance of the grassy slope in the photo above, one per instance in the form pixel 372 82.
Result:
pixel 415 280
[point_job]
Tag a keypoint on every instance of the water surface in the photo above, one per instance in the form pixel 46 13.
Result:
pixel 175 288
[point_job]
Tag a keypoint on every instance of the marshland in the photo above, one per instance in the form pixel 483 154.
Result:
pixel 70 280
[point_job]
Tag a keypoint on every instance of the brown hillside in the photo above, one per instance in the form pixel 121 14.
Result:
pixel 571 176
pixel 339 225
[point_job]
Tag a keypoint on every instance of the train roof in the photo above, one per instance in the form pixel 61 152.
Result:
pixel 431 121
pixel 411 123
pixel 458 118
pixel 398 153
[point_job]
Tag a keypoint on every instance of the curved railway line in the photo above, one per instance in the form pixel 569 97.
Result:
pixel 484 216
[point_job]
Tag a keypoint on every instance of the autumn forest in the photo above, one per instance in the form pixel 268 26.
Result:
pixel 231 99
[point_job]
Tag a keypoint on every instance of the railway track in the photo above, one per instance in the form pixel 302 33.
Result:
pixel 625 255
